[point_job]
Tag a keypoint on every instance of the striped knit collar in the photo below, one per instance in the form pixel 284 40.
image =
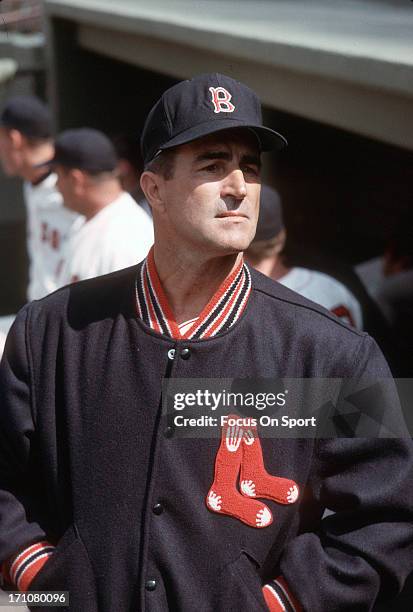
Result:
pixel 222 311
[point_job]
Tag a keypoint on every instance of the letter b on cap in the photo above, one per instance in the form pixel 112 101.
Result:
pixel 221 99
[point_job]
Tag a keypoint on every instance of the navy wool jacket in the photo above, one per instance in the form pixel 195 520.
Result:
pixel 87 461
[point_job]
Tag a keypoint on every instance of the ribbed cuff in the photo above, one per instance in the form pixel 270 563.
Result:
pixel 279 598
pixel 21 569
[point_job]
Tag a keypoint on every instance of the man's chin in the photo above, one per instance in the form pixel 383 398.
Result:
pixel 238 244
pixel 233 247
pixel 224 243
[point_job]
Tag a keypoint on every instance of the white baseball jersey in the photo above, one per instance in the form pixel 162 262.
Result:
pixel 387 291
pixel 5 324
pixel 326 291
pixel 118 236
pixel 48 226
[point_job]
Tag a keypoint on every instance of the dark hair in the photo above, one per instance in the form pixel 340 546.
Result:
pixel 163 164
pixel 127 147
pixel 33 141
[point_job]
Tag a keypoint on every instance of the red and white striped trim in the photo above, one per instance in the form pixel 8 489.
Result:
pixel 183 327
pixel 279 598
pixel 24 567
pixel 222 311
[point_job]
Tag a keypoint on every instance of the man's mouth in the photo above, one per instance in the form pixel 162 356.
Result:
pixel 231 213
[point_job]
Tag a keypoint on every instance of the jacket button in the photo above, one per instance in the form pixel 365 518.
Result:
pixel 171 354
pixel 150 585
pixel 169 432
pixel 185 353
pixel 157 509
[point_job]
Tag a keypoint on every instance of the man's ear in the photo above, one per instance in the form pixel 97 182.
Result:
pixel 78 179
pixel 151 185
pixel 16 138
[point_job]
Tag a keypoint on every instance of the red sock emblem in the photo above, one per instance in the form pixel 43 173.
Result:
pixel 223 496
pixel 240 451
pixel 255 480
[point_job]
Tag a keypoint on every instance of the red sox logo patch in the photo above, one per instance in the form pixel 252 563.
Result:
pixel 240 460
pixel 221 99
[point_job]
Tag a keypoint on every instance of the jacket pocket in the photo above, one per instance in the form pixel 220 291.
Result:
pixel 68 569
pixel 240 587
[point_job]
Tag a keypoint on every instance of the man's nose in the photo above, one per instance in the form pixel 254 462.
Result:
pixel 234 185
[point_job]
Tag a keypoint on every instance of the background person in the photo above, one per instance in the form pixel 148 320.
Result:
pixel 389 281
pixel 117 233
pixel 5 324
pixel 392 270
pixel 265 253
pixel 25 144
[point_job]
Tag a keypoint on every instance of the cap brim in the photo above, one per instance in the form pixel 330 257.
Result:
pixel 269 139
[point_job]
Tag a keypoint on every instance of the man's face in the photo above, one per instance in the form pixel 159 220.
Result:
pixel 67 187
pixel 212 200
pixel 11 155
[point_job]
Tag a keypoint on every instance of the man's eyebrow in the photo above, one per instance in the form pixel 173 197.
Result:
pixel 249 158
pixel 210 155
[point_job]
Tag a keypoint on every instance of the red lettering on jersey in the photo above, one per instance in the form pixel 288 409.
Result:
pixel 221 99
pixel 344 313
pixel 43 232
pixel 55 239
pixel 59 267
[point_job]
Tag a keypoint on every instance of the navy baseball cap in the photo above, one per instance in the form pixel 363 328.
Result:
pixel 270 219
pixel 86 149
pixel 206 104
pixel 28 115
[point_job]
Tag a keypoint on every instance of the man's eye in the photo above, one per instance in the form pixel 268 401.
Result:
pixel 211 168
pixel 251 170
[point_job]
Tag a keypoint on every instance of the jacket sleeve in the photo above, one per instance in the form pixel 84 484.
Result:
pixel 362 550
pixel 23 544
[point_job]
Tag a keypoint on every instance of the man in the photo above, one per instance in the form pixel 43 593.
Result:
pixel 394 268
pixel 117 233
pixel 143 518
pixel 25 144
pixel 389 281
pixel 265 253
